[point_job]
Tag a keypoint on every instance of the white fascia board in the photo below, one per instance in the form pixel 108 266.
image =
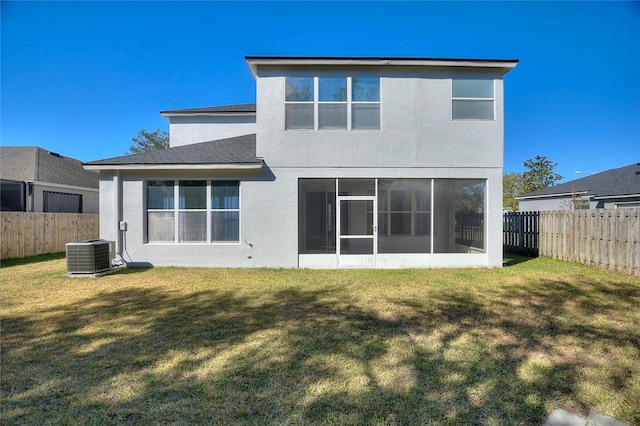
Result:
pixel 251 166
pixel 212 114
pixel 456 63
pixel 562 194
pixel 254 62
pixel 606 197
pixel 62 186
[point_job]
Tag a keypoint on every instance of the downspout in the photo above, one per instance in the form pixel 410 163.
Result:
pixel 117 214
pixel 29 205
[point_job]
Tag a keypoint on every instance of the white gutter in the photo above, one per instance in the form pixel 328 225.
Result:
pixel 211 114
pixel 254 62
pixel 563 194
pixel 251 166
pixel 607 197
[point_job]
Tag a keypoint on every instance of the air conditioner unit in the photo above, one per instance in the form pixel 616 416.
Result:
pixel 89 256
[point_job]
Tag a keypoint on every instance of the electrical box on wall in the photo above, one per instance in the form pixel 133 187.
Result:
pixel 123 225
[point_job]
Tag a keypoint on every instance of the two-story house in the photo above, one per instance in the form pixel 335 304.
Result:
pixel 341 163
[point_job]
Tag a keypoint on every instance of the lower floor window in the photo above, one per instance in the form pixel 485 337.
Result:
pixel 193 211
pixel 411 215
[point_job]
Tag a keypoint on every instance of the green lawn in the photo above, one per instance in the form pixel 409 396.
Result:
pixel 220 346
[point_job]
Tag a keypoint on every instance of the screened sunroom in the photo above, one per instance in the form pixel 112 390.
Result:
pixel 372 222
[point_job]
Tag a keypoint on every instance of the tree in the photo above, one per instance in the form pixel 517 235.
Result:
pixel 149 141
pixel 512 183
pixel 469 198
pixel 540 174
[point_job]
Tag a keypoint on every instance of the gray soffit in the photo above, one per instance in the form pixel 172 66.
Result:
pixel 233 153
pixel 254 61
pixel 622 181
pixel 240 109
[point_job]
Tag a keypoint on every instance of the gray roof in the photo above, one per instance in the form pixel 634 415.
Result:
pixel 34 164
pixel 236 150
pixel 610 183
pixel 375 58
pixel 225 109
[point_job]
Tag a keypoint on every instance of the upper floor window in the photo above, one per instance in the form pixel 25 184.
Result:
pixel 299 103
pixel 473 99
pixel 365 103
pixel 332 103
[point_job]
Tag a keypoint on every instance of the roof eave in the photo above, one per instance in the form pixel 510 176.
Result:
pixel 608 197
pixel 64 186
pixel 254 61
pixel 217 166
pixel 169 114
pixel 556 195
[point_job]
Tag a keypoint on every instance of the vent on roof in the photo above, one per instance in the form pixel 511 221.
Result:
pixel 55 154
pixel 89 256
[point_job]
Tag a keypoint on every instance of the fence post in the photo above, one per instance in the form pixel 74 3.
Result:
pixel 519 235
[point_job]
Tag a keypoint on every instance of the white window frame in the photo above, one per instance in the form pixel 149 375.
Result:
pixel 319 103
pixel 349 103
pixel 413 211
pixel 312 102
pixel 212 210
pixel 627 205
pixel 467 99
pixel 176 210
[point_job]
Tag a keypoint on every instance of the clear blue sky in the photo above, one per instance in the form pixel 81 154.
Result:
pixel 82 78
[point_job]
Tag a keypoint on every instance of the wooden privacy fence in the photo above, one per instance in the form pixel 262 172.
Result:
pixel 30 234
pixel 520 232
pixel 608 239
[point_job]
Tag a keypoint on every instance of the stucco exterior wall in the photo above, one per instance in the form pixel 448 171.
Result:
pixel 544 204
pixel 107 206
pixel 416 126
pixel 264 223
pixel 190 130
pixel 269 218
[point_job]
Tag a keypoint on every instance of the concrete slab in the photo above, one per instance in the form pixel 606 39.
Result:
pixel 597 419
pixel 109 271
pixel 560 417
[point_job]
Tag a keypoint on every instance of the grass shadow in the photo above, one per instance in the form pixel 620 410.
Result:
pixel 17 261
pixel 124 270
pixel 513 259
pixel 308 353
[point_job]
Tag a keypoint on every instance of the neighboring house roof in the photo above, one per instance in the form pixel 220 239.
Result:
pixel 236 152
pixel 254 61
pixel 34 164
pixel 217 110
pixel 620 182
